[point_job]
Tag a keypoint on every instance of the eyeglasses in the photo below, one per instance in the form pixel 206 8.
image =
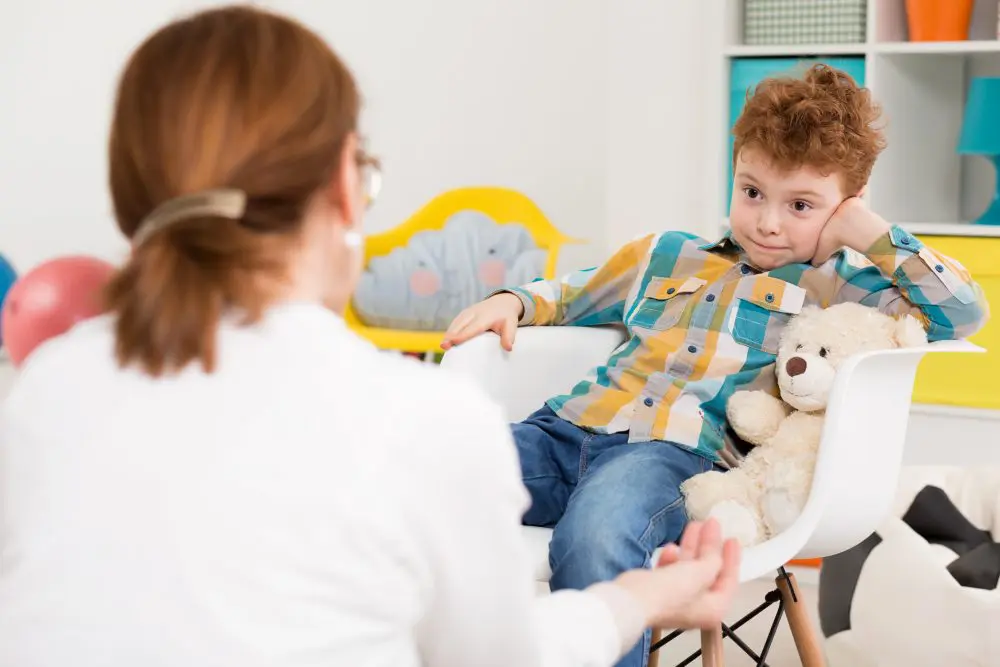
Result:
pixel 371 175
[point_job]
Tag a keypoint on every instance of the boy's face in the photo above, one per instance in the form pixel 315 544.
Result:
pixel 777 216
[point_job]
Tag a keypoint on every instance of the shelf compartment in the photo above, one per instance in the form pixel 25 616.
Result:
pixel 921 177
pixel 746 73
pixel 890 22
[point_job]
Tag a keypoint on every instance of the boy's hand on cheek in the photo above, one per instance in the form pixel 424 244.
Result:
pixel 853 225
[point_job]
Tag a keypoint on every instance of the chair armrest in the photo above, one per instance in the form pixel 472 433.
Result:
pixel 545 361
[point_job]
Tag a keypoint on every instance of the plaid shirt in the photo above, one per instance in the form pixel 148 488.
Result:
pixel 703 322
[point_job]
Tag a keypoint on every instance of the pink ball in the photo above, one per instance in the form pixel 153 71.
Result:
pixel 48 300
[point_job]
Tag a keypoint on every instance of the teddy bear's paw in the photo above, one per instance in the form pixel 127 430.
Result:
pixel 755 415
pixel 736 522
pixel 703 491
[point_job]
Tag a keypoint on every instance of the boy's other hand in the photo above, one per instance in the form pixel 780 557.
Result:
pixel 499 313
pixel 853 225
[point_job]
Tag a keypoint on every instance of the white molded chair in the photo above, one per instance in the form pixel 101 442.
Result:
pixel 856 470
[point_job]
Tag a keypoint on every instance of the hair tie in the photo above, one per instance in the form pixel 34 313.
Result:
pixel 224 203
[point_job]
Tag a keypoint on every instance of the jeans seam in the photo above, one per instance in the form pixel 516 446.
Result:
pixel 655 519
pixel 584 451
pixel 528 478
pixel 705 465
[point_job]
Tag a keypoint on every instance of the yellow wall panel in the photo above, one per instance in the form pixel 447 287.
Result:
pixel 967 380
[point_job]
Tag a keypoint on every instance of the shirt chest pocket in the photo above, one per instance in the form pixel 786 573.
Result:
pixel 663 302
pixel 762 307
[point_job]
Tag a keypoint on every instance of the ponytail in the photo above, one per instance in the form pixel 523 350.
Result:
pixel 226 125
pixel 170 296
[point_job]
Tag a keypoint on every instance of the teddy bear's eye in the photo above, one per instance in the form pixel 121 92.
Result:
pixel 822 351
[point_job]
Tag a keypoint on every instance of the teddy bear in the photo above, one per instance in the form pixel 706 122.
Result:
pixel 767 491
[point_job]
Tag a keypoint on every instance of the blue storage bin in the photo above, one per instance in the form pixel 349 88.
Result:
pixel 746 73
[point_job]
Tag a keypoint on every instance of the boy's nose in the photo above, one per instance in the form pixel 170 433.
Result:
pixel 768 223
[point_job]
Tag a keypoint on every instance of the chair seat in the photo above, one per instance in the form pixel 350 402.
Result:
pixel 538 548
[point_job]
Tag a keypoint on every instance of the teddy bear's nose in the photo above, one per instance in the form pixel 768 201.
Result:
pixel 795 366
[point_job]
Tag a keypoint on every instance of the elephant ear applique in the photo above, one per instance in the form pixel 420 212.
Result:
pixel 426 283
pixel 934 517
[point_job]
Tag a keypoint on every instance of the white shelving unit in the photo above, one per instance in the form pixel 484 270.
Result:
pixel 920 181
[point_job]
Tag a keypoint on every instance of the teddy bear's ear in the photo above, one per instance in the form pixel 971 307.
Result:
pixel 909 332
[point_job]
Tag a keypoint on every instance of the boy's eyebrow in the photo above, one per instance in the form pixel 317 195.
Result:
pixel 806 193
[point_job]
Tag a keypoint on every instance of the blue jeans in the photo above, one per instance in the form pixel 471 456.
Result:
pixel 611 503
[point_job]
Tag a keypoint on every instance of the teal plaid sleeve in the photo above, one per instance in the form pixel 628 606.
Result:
pixel 589 297
pixel 904 276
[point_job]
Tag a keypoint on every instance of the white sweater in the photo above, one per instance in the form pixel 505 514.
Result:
pixel 312 503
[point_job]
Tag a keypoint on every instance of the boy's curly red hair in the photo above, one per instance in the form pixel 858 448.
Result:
pixel 822 120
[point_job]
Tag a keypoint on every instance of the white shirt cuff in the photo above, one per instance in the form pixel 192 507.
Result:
pixel 626 610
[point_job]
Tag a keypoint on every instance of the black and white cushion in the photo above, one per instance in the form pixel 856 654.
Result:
pixel 923 589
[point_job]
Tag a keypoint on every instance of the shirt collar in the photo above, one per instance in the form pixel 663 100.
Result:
pixel 726 240
pixel 728 243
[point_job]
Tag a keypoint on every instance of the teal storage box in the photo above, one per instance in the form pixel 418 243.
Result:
pixel 746 73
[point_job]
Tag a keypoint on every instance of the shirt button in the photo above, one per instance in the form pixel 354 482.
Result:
pixel 769 297
pixel 939 268
pixel 745 269
pixel 692 349
pixel 710 298
pixel 671 290
pixel 648 402
pixel 905 240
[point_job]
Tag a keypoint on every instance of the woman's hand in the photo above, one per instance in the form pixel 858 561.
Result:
pixel 499 313
pixel 693 584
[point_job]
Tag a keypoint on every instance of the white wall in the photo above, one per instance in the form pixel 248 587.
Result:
pixel 656 124
pixel 588 106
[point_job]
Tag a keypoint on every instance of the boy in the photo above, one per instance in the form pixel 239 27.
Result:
pixel 604 463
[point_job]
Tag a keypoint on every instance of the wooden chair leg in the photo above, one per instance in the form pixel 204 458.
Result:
pixel 654 658
pixel 711 648
pixel 806 641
